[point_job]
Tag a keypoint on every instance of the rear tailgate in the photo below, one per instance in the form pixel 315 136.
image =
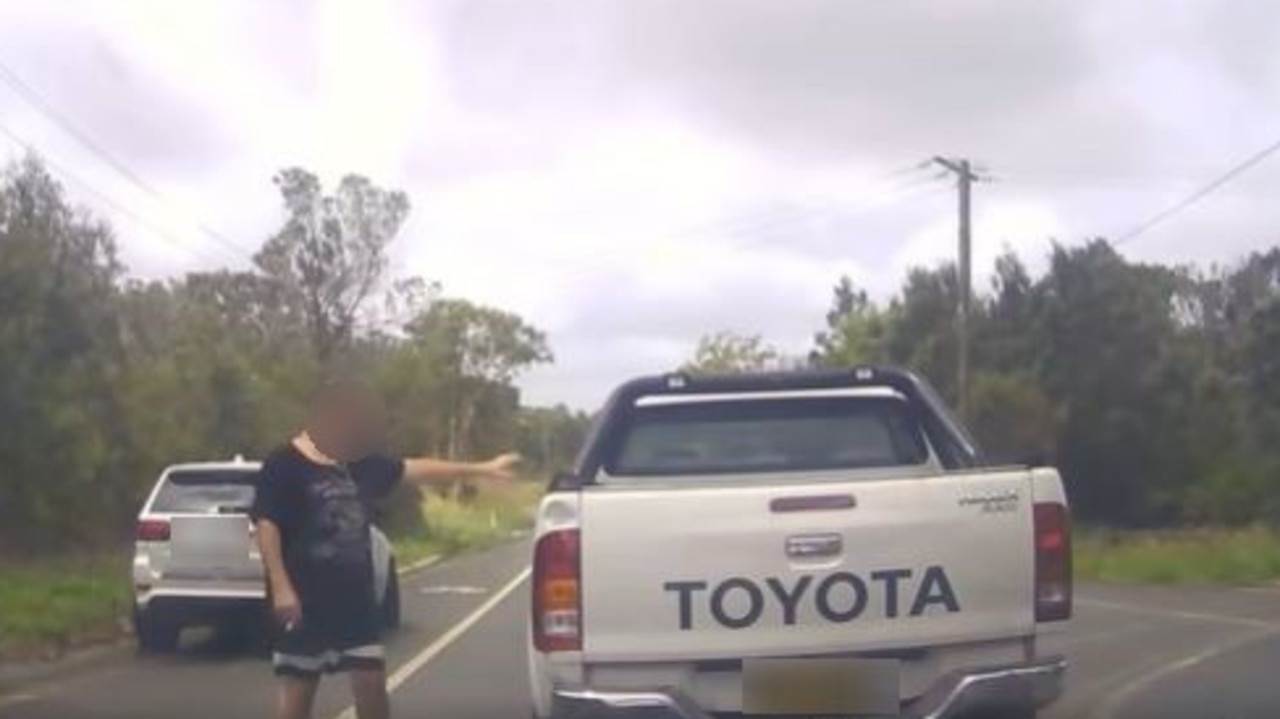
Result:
pixel 793 515
pixel 218 548
pixel 775 566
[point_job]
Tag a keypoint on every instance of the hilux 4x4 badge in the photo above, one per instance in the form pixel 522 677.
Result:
pixel 992 502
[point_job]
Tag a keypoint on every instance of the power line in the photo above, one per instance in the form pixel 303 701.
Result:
pixel 44 107
pixel 748 226
pixel 1199 194
pixel 101 196
pixel 757 230
pixel 842 214
pixel 771 217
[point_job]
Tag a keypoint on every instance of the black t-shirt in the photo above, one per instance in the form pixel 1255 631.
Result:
pixel 323 512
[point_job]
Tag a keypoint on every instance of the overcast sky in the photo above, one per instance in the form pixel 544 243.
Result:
pixel 628 175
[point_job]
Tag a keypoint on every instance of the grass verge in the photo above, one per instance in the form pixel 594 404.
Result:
pixel 1186 556
pixel 48 608
pixel 452 525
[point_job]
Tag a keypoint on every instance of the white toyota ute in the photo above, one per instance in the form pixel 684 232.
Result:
pixel 818 543
pixel 196 561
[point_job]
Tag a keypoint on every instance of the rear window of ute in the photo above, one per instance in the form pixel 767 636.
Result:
pixel 734 436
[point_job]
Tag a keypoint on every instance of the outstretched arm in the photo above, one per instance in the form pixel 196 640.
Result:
pixel 428 470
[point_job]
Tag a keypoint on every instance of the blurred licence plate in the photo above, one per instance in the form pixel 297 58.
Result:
pixel 820 687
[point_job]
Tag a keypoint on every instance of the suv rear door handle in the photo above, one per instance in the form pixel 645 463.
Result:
pixel 805 546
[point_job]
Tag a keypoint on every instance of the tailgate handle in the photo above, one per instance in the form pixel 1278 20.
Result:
pixel 803 546
pixel 812 503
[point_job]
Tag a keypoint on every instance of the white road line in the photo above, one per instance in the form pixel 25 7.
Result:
pixel 452 589
pixel 432 650
pixel 1175 614
pixel 420 564
pixel 11 699
pixel 1109 707
pixel 1272 589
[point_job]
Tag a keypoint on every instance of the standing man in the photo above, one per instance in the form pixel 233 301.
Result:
pixel 312 515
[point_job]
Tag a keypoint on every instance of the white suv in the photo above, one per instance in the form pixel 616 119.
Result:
pixel 196 561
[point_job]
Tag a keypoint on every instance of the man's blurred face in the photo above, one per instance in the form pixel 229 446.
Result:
pixel 350 423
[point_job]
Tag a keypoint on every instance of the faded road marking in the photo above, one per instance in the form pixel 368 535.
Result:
pixel 450 589
pixel 7 700
pixel 1117 699
pixel 1176 614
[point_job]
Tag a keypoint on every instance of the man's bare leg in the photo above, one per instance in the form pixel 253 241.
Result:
pixel 369 687
pixel 294 697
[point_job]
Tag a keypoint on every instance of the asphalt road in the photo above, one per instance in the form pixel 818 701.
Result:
pixel 1136 653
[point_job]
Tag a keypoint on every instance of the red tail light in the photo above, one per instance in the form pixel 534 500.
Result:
pixel 557 592
pixel 152 530
pixel 1053 562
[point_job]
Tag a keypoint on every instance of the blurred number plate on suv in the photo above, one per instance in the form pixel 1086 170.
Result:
pixel 820 687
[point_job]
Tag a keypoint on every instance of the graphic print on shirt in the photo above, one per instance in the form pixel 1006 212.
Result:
pixel 339 523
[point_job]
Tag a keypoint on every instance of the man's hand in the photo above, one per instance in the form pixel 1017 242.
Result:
pixel 287 608
pixel 500 467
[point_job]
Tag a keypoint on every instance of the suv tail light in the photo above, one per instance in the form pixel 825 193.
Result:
pixel 557 595
pixel 152 530
pixel 1053 562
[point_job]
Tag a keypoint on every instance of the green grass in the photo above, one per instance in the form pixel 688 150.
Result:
pixel 50 607
pixel 454 525
pixel 1189 556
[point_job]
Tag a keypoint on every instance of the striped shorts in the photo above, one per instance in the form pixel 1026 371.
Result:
pixel 328 661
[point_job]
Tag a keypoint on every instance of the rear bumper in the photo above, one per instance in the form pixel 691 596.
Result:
pixel 182 610
pixel 1029 685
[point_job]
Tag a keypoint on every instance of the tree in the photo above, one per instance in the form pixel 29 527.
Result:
pixel 725 352
pixel 1013 420
pixel 549 437
pixel 477 351
pixel 855 331
pixel 1004 325
pixel 1107 331
pixel 58 351
pixel 921 333
pixel 331 254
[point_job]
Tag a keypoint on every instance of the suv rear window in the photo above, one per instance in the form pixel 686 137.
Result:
pixel 767 435
pixel 206 491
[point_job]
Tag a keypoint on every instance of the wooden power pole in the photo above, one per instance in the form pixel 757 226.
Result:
pixel 965 178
